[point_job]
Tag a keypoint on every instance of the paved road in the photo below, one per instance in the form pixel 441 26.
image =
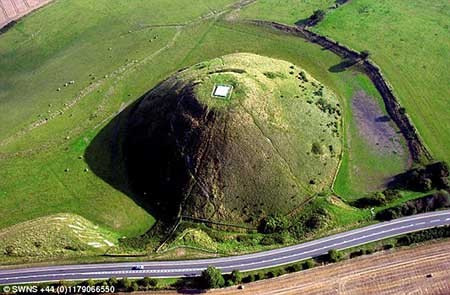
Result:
pixel 227 264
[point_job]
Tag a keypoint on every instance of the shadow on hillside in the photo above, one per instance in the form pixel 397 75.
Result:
pixel 342 66
pixel 105 156
pixel 302 22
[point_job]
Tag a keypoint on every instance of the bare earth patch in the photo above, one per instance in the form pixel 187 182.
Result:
pixel 374 126
pixel 11 10
pixel 397 272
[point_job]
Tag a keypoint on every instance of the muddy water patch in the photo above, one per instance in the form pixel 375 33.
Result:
pixel 375 127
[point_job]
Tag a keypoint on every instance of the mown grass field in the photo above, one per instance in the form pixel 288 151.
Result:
pixel 116 52
pixel 409 40
pixel 285 11
pixel 83 42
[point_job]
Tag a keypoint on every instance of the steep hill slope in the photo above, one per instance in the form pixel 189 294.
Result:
pixel 266 148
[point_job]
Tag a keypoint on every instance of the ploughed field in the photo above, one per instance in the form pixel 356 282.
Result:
pixel 398 272
pixel 73 74
pixel 11 10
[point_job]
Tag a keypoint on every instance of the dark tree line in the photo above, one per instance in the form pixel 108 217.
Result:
pixel 435 201
pixel 423 179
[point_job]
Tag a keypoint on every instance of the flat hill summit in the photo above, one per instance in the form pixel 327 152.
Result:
pixel 234 139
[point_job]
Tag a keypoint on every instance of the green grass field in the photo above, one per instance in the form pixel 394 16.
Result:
pixel 415 59
pixel 363 169
pixel 285 11
pixel 62 235
pixel 115 52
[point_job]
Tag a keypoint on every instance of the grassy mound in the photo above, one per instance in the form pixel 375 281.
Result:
pixel 267 148
pixel 54 236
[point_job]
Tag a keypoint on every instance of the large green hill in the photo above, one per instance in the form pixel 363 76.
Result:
pixel 265 149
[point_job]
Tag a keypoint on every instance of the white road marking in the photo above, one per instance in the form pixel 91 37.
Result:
pixel 364 239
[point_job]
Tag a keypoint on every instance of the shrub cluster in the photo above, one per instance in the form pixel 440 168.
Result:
pixel 438 200
pixel 325 106
pixel 280 228
pixel 377 199
pixel 425 235
pixel 423 179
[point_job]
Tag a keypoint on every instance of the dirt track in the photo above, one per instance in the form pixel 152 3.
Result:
pixel 11 10
pixel 400 272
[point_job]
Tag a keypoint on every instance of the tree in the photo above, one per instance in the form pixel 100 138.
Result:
pixel 274 223
pixel 134 286
pixel 149 282
pixel 334 255
pixel 125 283
pixel 212 278
pixel 317 148
pixel 317 16
pixel 308 264
pixel 113 282
pixel 89 283
pixel 236 276
pixel 63 283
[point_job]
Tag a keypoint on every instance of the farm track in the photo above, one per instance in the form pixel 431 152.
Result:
pixel 417 148
pixel 12 10
pixel 397 272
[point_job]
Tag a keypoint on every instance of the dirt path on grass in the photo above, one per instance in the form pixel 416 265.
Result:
pixel 12 10
pixel 398 272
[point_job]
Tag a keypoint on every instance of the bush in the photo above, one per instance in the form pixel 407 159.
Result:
pixel 212 278
pixel 273 75
pixel 229 283
pixel 365 54
pixel 308 264
pixel 89 283
pixel 377 199
pixel 391 194
pixel 334 255
pixel 423 178
pixel 125 283
pixel 425 235
pixel 134 286
pixel 273 224
pixel 149 282
pixel 260 276
pixel 316 149
pixel 356 253
pixel 295 267
pixel 303 76
pixel 317 16
pixel 438 200
pixel 236 276
pixel 388 246
pixel 113 282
